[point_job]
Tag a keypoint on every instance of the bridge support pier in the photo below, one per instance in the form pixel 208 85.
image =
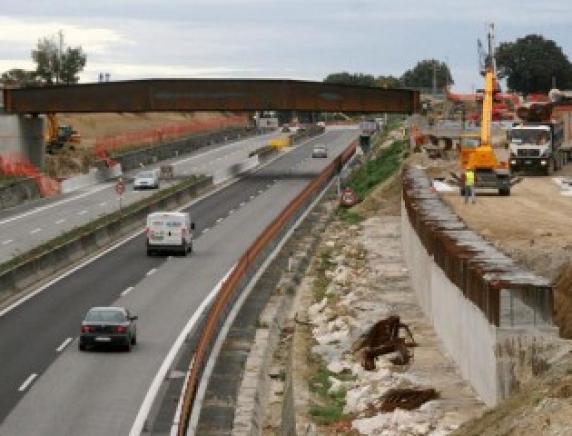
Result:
pixel 23 135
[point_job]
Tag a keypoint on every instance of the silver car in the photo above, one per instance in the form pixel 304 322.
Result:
pixel 320 150
pixel 146 180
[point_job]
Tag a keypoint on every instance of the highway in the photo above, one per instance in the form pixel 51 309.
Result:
pixel 48 387
pixel 23 228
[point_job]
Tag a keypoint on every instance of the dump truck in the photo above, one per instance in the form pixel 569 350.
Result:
pixel 542 141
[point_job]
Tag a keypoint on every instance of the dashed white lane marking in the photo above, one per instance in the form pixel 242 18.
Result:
pixel 27 382
pixel 252 197
pixel 230 212
pixel 82 212
pixel 129 289
pixel 260 191
pixel 63 220
pixel 242 204
pixel 64 344
pixel 269 185
pixel 151 271
pixel 206 230
pixel 219 220
pixel 103 203
pixel 7 241
pixel 35 231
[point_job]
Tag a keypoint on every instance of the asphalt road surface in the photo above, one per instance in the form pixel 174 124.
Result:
pixel 24 228
pixel 48 387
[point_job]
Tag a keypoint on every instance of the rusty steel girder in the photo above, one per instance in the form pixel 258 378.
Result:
pixel 155 95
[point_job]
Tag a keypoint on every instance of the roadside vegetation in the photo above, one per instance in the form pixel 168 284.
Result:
pixel 378 169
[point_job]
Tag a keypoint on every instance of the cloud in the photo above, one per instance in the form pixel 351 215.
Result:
pixel 26 33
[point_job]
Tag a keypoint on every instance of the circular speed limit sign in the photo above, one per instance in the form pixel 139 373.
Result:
pixel 120 187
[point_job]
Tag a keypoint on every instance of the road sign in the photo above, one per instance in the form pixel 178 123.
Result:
pixel 349 197
pixel 120 187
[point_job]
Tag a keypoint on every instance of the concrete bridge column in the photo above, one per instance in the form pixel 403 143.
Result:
pixel 23 135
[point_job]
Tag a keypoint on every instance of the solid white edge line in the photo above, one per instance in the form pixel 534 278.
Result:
pixel 27 382
pixel 205 230
pixel 61 221
pixel 177 417
pixel 49 206
pixel 141 417
pixel 127 291
pixel 151 271
pixel 82 212
pixel 64 344
pixel 35 231
pixel 7 241
pixel 203 382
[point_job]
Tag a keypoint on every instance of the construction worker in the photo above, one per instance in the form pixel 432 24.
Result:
pixel 469 179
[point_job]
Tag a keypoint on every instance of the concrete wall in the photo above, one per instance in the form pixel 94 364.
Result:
pixel 23 136
pixel 495 360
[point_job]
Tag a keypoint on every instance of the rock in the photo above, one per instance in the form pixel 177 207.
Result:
pixel 336 367
pixel 341 276
pixel 357 399
pixel 317 308
pixel 337 386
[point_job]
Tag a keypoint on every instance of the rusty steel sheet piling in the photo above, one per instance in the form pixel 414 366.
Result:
pixel 507 294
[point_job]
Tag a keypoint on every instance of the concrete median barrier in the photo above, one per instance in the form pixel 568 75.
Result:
pixel 59 253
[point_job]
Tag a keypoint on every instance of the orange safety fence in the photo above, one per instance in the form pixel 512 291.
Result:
pixel 172 131
pixel 14 165
pixel 221 303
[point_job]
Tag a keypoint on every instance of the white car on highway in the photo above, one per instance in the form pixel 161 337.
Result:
pixel 148 179
pixel 169 231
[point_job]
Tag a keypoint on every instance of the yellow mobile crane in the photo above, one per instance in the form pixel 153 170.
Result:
pixel 489 172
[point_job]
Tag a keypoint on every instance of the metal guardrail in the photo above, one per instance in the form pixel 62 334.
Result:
pixel 507 294
pixel 226 296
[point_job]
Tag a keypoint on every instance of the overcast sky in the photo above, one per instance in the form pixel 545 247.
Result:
pixel 298 39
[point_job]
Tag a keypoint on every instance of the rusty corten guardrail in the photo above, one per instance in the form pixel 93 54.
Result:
pixel 490 279
pixel 225 298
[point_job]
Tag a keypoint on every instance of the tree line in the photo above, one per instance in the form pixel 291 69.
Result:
pixel 55 64
pixel 530 64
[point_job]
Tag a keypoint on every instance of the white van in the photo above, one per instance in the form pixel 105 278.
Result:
pixel 169 231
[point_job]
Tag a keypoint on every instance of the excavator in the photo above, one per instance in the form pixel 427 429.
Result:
pixel 480 156
pixel 60 137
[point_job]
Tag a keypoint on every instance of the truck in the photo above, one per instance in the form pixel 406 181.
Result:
pixel 542 141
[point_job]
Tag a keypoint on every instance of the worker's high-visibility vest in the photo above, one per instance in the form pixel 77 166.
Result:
pixel 469 178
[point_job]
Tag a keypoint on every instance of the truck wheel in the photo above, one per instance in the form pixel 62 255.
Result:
pixel 550 167
pixel 462 191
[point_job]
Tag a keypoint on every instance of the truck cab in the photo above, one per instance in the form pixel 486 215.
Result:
pixel 536 147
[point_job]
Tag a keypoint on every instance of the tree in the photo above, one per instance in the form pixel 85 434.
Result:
pixel 19 77
pixel 58 66
pixel 532 63
pixel 421 76
pixel 345 78
pixel 388 82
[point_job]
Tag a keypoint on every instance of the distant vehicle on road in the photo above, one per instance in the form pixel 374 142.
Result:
pixel 285 128
pixel 169 231
pixel 147 180
pixel 111 325
pixel 320 150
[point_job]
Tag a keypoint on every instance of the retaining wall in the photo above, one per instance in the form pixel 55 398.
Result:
pixel 493 317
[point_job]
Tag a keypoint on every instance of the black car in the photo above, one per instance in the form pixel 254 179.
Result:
pixel 112 325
